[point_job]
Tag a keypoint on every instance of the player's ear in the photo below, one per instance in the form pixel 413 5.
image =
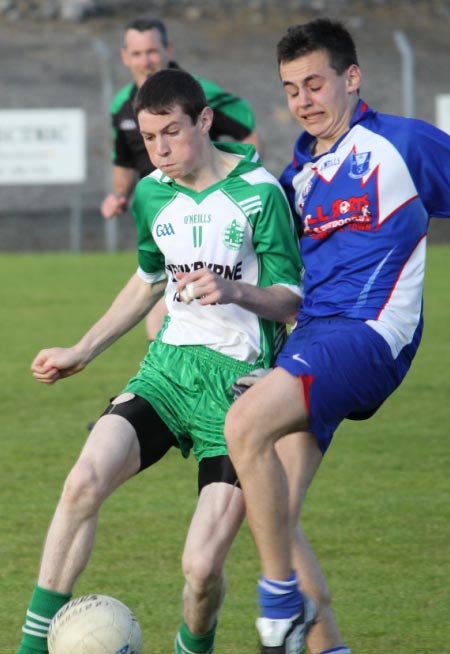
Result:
pixel 353 78
pixel 205 119
pixel 170 50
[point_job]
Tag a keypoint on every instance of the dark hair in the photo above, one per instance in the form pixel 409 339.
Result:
pixel 320 34
pixel 168 88
pixel 145 22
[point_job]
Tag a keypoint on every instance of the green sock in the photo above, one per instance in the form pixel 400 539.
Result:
pixel 188 643
pixel 43 606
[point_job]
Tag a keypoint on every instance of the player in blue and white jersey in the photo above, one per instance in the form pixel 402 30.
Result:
pixel 364 186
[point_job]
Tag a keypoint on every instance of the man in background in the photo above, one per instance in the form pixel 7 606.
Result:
pixel 146 49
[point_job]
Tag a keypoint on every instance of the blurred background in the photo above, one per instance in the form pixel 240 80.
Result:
pixel 65 54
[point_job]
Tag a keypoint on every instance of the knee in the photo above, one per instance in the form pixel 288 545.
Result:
pixel 201 572
pixel 81 492
pixel 239 436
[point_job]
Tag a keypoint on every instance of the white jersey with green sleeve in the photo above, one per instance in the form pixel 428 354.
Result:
pixel 240 228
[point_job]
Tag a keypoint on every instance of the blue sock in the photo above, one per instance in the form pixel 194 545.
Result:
pixel 343 649
pixel 279 599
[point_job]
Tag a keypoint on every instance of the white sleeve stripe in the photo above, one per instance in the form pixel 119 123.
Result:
pixel 151 278
pixel 298 290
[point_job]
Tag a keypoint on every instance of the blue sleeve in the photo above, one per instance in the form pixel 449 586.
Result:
pixel 426 151
pixel 431 171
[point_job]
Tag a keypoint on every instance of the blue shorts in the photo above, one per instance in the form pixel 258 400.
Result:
pixel 346 368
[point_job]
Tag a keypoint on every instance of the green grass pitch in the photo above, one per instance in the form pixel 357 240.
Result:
pixel 378 513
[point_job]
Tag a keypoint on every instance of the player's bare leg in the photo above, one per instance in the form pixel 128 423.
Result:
pixel 110 456
pixel 216 521
pixel 301 458
pixel 252 429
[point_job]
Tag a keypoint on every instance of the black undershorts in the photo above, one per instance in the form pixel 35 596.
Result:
pixel 155 440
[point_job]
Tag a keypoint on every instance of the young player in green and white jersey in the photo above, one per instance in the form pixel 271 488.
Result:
pixel 147 49
pixel 228 230
pixel 214 224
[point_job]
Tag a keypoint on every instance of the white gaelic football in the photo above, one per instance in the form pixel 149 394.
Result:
pixel 94 624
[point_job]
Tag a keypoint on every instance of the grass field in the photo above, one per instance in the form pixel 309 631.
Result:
pixel 378 513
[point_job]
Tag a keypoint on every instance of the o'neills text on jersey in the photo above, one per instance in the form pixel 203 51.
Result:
pixel 196 218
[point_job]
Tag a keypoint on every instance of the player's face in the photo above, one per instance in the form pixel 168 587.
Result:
pixel 320 100
pixel 144 54
pixel 174 143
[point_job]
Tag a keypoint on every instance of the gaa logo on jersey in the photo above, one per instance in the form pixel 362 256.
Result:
pixel 165 230
pixel 233 235
pixel 359 164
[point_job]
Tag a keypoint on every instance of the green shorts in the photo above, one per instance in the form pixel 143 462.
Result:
pixel 189 387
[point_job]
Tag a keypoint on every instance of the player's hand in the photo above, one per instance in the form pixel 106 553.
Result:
pixel 113 205
pixel 243 383
pixel 56 363
pixel 205 286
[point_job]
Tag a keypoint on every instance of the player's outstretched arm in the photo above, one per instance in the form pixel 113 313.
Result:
pixel 129 307
pixel 55 363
